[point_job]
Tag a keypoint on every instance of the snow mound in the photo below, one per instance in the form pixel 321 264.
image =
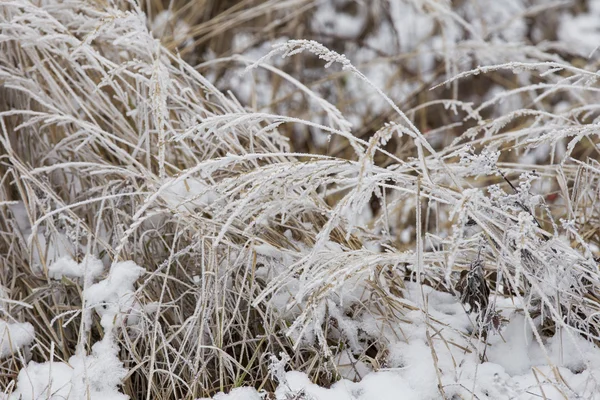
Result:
pixel 84 377
pixel 14 336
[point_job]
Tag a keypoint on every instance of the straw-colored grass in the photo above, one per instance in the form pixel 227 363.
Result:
pixel 266 218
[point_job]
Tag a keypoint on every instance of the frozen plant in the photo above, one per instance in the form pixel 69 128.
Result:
pixel 326 214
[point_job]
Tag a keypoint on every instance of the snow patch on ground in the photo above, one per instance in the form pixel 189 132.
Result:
pixel 14 336
pixel 83 377
pixel 437 349
pixel 93 377
pixel 187 194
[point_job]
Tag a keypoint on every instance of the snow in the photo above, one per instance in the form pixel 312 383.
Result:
pixel 89 269
pixel 162 23
pixel 113 298
pixel 93 377
pixel 45 248
pixel 188 194
pixel 580 32
pixel 239 394
pixel 434 347
pixel 330 21
pixel 84 377
pixel 516 367
pixel 14 336
pixel 349 367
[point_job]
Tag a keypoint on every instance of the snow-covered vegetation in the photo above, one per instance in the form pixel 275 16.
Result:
pixel 299 199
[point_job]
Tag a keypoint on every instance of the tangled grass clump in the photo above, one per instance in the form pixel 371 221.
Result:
pixel 112 145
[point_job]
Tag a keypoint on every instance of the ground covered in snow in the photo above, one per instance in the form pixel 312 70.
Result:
pixel 434 349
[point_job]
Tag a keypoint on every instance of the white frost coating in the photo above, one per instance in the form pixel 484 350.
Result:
pixel 472 164
pixel 14 336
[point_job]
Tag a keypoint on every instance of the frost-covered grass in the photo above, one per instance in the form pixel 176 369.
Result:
pixel 352 200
